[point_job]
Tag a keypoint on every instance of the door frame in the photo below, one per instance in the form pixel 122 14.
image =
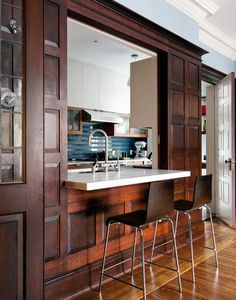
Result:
pixel 213 76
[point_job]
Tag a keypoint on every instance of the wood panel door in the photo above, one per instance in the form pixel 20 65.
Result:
pixel 183 141
pixel 21 150
pixel 225 148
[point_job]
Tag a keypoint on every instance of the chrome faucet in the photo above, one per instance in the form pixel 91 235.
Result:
pixel 106 144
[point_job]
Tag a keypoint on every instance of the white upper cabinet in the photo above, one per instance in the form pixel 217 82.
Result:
pixel 107 90
pixel 97 88
pixel 90 87
pixel 75 83
pixel 122 95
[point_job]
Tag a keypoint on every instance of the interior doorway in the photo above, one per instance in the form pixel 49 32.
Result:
pixel 218 144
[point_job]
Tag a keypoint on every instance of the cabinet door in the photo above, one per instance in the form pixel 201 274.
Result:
pixel 75 84
pixel 90 87
pixel 107 90
pixel 143 83
pixel 122 94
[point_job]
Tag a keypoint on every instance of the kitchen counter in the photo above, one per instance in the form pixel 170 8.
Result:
pixel 127 176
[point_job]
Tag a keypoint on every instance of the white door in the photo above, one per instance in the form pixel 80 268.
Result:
pixel 225 149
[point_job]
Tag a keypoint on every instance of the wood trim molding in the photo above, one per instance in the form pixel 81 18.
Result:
pixel 211 75
pixel 167 37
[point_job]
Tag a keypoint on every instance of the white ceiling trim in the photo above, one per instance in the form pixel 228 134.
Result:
pixel 224 44
pixel 210 6
pixel 191 9
pixel 216 44
pixel 196 9
pixel 208 33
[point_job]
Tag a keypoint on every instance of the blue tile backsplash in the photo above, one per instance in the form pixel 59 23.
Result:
pixel 78 147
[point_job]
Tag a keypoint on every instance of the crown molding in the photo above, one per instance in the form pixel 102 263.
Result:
pixel 217 44
pixel 190 8
pixel 208 33
pixel 210 6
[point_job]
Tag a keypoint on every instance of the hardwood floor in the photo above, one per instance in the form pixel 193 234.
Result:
pixel 162 283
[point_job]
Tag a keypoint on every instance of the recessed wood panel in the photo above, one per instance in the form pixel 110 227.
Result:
pixel 51 78
pixel 178 70
pixel 11 255
pixel 116 231
pixel 178 105
pixel 193 107
pixel 52 237
pixel 51 134
pixel 192 76
pixel 193 137
pixel 51 34
pixel 82 230
pixel 178 140
pixel 52 184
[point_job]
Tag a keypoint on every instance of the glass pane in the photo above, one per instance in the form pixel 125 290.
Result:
pixel 17 130
pixel 6 57
pixel 17 60
pixel 6 130
pixel 11 166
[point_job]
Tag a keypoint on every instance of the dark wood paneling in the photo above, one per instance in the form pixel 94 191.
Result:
pixel 55 135
pixel 52 34
pixel 52 184
pixel 11 253
pixel 52 238
pixel 52 66
pixel 183 112
pixel 82 230
pixel 52 130
pixel 178 73
pixel 116 231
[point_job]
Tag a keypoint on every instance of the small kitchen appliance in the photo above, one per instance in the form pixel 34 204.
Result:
pixel 139 148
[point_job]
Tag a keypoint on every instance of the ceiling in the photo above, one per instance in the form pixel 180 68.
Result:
pixel 95 47
pixel 224 18
pixel 217 22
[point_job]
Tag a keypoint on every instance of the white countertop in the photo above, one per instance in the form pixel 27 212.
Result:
pixel 127 176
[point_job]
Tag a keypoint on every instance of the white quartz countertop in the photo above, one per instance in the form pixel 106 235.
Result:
pixel 126 176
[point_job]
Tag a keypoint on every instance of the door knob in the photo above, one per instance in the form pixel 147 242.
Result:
pixel 230 162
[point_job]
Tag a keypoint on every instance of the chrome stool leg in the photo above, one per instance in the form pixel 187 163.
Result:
pixel 176 254
pixel 153 241
pixel 143 263
pixel 104 256
pixel 213 236
pixel 191 244
pixel 134 250
pixel 176 221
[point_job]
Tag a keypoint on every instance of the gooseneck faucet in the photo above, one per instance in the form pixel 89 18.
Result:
pixel 106 142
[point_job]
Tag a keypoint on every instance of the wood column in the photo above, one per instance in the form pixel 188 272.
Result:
pixel 55 124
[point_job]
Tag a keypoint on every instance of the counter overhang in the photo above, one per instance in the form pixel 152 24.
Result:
pixel 127 176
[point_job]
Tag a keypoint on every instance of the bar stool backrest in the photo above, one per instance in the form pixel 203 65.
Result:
pixel 202 190
pixel 160 200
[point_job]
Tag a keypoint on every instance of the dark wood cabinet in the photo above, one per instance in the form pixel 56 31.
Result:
pixel 74 120
pixel 21 150
pixel 184 115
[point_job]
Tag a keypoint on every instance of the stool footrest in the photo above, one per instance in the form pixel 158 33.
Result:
pixel 119 263
pixel 162 244
pixel 116 278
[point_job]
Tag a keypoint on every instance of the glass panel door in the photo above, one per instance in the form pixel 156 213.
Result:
pixel 11 95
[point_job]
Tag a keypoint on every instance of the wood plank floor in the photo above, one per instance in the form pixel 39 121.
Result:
pixel 211 283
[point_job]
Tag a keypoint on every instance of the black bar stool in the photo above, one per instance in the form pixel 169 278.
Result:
pixel 202 196
pixel 160 206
